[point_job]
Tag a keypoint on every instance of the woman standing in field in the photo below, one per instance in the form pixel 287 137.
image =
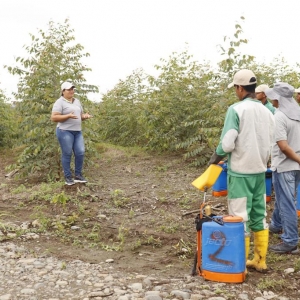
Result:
pixel 68 113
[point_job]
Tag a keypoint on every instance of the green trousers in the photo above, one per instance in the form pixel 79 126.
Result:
pixel 247 199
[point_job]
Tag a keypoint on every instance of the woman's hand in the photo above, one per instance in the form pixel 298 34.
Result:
pixel 86 116
pixel 72 116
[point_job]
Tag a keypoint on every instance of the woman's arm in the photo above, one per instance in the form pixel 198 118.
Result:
pixel 58 117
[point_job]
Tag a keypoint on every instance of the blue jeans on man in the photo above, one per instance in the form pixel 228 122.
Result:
pixel 71 142
pixel 285 213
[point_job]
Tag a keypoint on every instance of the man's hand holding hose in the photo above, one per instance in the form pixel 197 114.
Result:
pixel 215 159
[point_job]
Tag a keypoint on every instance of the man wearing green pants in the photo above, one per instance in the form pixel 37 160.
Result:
pixel 246 139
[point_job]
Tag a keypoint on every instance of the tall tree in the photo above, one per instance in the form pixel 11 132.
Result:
pixel 53 57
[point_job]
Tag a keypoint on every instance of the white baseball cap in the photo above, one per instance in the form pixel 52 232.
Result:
pixel 261 88
pixel 243 77
pixel 297 90
pixel 67 85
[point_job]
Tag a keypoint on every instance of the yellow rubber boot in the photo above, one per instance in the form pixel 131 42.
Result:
pixel 247 249
pixel 261 241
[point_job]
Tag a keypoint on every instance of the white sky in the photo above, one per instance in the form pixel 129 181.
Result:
pixel 123 35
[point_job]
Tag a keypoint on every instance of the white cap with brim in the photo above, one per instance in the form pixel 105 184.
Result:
pixel 297 90
pixel 261 88
pixel 243 77
pixel 67 85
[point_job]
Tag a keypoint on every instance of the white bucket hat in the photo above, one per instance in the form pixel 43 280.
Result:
pixel 283 92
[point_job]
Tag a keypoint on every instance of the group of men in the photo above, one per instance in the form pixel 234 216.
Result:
pixel 253 133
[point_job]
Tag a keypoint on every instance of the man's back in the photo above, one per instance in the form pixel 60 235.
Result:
pixel 247 136
pixel 288 130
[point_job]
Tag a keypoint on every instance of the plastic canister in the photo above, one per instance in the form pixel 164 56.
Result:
pixel 223 250
pixel 220 187
pixel 208 178
pixel 268 185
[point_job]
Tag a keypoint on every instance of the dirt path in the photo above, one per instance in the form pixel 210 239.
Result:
pixel 137 209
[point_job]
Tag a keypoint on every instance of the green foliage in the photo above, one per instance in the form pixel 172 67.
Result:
pixel 53 57
pixel 20 189
pixel 180 110
pixel 297 265
pixel 8 122
pixel 277 70
pixel 234 59
pixel 60 199
pixel 269 283
pixel 121 111
pixel 171 112
pixel 178 105
pixel 119 198
pixel 183 108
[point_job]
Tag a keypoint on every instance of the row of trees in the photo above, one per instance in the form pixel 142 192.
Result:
pixel 180 110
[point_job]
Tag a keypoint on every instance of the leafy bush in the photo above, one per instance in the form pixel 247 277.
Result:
pixel 8 122
pixel 180 110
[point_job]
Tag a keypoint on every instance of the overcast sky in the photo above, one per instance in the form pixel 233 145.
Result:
pixel 123 35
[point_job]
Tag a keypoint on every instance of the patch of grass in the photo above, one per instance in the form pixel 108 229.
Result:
pixel 20 189
pixel 110 247
pixel 170 228
pixel 119 198
pixel 131 214
pixel 186 202
pixel 273 258
pixel 184 249
pixel 150 240
pixel 161 168
pixel 20 205
pixel 136 245
pixel 71 220
pixel 297 265
pixel 162 200
pixel 77 242
pixel 113 151
pixel 3 226
pixel 268 283
pixel 63 265
pixel 94 235
pixel 3 186
pixel 122 233
pixel 44 221
pixel 45 191
pixel 60 199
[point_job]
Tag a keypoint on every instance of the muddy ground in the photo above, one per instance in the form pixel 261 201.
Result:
pixel 138 209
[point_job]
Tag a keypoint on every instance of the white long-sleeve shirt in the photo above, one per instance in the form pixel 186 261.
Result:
pixel 247 137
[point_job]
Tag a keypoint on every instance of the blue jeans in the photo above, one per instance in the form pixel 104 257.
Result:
pixel 285 213
pixel 71 141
